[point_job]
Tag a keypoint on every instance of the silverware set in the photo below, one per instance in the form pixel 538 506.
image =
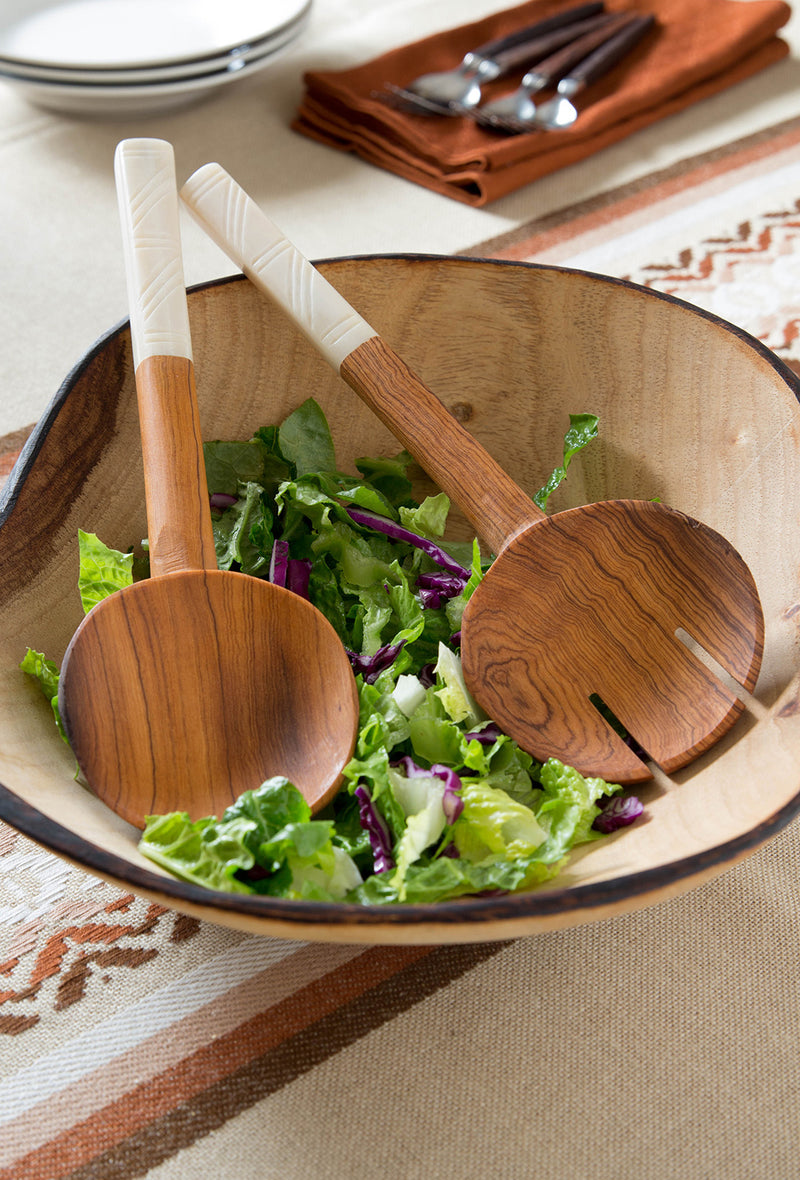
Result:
pixel 565 53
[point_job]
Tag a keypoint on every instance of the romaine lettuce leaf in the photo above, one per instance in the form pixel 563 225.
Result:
pixel 243 536
pixel 102 571
pixel 492 824
pixel 204 852
pixel 266 842
pixel 389 476
pixel 458 702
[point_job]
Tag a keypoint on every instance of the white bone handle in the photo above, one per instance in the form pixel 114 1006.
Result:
pixel 238 226
pixel 149 211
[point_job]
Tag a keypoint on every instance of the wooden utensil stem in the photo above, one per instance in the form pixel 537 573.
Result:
pixel 491 501
pixel 178 517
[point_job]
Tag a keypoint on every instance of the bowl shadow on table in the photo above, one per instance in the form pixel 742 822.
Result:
pixel 691 409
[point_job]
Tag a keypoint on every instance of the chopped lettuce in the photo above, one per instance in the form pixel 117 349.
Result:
pixel 437 802
pixel 243 532
pixel 266 842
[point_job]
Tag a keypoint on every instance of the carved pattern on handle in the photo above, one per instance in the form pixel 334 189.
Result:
pixel 257 246
pixel 148 204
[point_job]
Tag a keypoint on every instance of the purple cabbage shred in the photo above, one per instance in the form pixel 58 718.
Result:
pixel 618 813
pixel 298 575
pixel 375 826
pixel 486 736
pixel 279 562
pixel 222 500
pixel 371 667
pixel 427 675
pixel 436 587
pixel 382 524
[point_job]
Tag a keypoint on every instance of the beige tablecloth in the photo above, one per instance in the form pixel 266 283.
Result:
pixel 137 1042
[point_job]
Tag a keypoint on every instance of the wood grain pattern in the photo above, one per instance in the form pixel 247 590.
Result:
pixel 495 506
pixel 587 604
pixel 691 410
pixel 178 517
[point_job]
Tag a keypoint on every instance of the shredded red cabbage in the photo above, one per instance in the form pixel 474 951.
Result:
pixel 298 575
pixel 279 562
pixel 373 823
pixel 382 524
pixel 486 736
pixel 452 802
pixel 618 813
pixel 371 667
pixel 437 586
pixel 222 500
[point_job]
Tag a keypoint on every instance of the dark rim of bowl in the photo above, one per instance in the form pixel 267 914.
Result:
pixel 466 911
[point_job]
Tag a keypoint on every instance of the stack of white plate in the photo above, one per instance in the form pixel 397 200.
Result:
pixel 121 57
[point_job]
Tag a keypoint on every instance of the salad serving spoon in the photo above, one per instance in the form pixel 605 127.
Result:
pixel 578 613
pixel 453 91
pixel 181 691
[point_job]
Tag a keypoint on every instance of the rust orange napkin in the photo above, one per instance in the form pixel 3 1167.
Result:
pixel 698 48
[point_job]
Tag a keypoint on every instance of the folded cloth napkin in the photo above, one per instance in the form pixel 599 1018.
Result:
pixel 697 48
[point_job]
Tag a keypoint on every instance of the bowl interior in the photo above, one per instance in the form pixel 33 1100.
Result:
pixel 691 411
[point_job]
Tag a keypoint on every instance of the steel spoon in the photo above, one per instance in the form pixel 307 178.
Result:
pixel 560 112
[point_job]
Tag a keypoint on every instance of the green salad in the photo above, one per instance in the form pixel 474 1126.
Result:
pixel 437 802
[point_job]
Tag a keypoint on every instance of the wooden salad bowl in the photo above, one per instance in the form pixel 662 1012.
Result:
pixel 692 411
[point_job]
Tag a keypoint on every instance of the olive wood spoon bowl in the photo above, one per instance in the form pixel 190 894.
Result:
pixel 181 691
pixel 578 607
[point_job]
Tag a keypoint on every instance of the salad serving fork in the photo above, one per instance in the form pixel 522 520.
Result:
pixel 450 92
pixel 521 114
